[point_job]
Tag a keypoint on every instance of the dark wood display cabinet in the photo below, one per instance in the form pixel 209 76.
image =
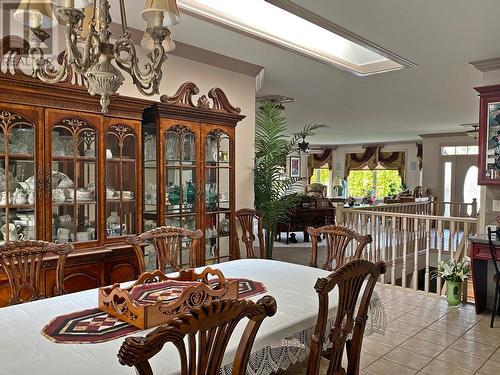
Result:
pixel 189 176
pixel 69 173
pixel 489 135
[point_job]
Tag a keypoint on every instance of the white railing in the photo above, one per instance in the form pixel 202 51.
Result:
pixel 411 244
pixel 426 207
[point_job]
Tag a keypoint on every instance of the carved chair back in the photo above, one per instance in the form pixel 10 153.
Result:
pixel 167 244
pixel 22 263
pixel 246 217
pixel 338 239
pixel 349 326
pixel 208 329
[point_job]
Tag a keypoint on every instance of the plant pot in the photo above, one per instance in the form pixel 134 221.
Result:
pixel 453 292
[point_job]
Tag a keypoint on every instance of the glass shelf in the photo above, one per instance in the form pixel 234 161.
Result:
pixel 118 160
pixel 72 158
pixel 73 203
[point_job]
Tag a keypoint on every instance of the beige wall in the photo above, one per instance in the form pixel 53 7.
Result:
pixel 432 169
pixel 239 88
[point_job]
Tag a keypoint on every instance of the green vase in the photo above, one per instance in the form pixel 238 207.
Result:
pixel 453 292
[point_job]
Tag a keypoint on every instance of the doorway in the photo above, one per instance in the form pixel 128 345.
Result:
pixel 460 173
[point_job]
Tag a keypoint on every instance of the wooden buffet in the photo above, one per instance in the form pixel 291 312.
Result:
pixel 70 173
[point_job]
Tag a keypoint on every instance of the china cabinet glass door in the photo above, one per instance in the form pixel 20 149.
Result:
pixel 18 181
pixel 121 169
pixel 73 180
pixel 150 170
pixel 181 181
pixel 218 173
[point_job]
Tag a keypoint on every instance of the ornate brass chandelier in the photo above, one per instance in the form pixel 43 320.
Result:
pixel 89 51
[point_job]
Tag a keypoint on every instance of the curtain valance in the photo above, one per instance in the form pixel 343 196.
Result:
pixel 319 160
pixel 372 158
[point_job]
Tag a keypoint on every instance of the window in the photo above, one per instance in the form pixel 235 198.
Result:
pixel 459 150
pixel 447 187
pixel 384 181
pixel 471 189
pixel 322 176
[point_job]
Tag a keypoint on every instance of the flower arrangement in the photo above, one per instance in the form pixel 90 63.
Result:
pixel 453 270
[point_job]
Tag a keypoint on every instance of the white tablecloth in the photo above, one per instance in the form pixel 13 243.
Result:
pixel 23 350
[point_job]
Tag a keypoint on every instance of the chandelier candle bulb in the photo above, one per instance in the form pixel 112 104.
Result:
pixel 69 3
pixel 158 19
pixel 35 20
pixel 35 14
pixel 168 9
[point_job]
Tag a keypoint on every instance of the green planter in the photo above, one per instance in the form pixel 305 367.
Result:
pixel 454 292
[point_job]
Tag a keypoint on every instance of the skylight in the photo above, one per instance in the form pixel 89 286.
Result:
pixel 286 28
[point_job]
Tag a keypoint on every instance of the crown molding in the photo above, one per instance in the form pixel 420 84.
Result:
pixel 197 54
pixel 487 65
pixel 438 135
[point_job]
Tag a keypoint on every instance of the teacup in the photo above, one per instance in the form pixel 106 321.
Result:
pixel 82 236
pixel 128 194
pixel 114 229
pixel 65 219
pixel 110 194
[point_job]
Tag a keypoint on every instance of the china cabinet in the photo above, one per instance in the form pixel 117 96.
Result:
pixel 489 135
pixel 69 173
pixel 188 168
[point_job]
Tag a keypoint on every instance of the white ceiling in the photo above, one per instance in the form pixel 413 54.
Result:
pixel 441 36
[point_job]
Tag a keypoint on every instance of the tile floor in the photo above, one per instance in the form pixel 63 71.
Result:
pixel 424 335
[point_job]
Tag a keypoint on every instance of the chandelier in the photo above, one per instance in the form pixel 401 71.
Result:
pixel 303 146
pixel 89 51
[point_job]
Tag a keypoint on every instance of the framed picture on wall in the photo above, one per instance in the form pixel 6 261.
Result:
pixel 294 166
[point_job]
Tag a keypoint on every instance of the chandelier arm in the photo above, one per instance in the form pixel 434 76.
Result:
pixel 91 51
pixel 147 79
pixel 44 69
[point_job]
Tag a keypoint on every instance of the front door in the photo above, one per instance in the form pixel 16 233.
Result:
pixel 459 182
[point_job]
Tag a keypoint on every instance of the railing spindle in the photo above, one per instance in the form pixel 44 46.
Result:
pixel 427 254
pixel 440 236
pixel 405 244
pixel 394 249
pixel 415 256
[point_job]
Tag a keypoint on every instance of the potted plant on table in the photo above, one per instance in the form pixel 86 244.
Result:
pixel 454 272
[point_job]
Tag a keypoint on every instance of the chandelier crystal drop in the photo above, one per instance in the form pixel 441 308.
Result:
pixel 89 51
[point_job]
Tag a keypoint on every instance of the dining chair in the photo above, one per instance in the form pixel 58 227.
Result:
pixel 167 244
pixel 337 240
pixel 22 263
pixel 349 326
pixel 247 217
pixel 208 329
pixel 496 278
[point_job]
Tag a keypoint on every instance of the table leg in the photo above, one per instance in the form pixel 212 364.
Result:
pixel 306 236
pixel 479 283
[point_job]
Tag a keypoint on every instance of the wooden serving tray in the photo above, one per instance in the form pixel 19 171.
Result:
pixel 156 298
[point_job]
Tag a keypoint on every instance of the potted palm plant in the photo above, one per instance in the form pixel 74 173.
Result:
pixel 454 272
pixel 274 190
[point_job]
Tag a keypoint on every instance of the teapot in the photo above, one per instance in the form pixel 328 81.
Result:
pixel 20 197
pixel 13 234
pixel 63 234
pixel 31 197
pixel 58 196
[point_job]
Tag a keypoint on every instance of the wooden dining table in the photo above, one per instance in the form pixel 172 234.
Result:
pixel 23 349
